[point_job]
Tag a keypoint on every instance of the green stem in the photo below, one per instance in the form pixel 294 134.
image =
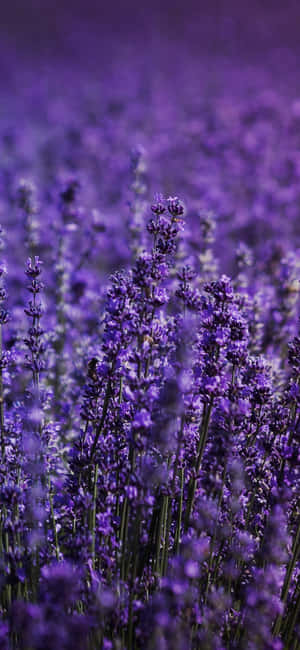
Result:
pixel 159 535
pixel 53 520
pixel 93 515
pixel 103 417
pixel 179 520
pixel 213 541
pixel 295 616
pixel 288 576
pixel 201 446
pixel 123 536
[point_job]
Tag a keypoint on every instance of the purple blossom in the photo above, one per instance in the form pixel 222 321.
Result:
pixel 150 380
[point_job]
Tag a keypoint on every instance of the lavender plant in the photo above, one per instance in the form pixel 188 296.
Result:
pixel 149 386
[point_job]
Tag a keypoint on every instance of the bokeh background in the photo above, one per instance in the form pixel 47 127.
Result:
pixel 209 90
pixel 265 32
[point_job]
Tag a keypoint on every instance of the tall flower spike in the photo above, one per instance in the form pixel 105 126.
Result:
pixel 34 310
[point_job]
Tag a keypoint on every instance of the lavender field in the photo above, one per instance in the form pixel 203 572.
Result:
pixel 149 327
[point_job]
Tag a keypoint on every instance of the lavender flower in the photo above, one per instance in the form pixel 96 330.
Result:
pixel 149 384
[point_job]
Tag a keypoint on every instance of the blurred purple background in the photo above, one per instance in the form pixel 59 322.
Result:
pixel 209 89
pixel 79 29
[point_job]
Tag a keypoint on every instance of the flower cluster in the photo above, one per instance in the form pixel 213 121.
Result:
pixel 150 383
